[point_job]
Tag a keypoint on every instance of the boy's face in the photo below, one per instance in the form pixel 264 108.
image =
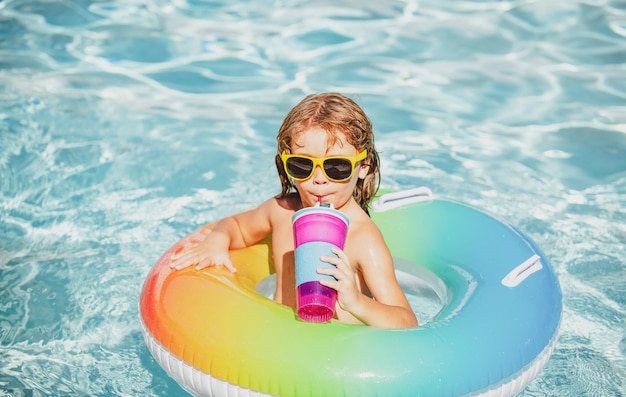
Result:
pixel 314 142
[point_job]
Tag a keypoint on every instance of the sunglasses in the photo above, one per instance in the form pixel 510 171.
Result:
pixel 336 168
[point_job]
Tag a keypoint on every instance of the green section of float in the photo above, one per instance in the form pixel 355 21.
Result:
pixel 485 333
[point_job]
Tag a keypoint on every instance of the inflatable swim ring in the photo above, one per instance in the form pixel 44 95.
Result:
pixel 501 307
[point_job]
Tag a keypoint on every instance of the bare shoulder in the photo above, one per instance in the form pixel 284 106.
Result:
pixel 278 211
pixel 275 205
pixel 256 223
pixel 363 226
pixel 279 207
pixel 290 202
pixel 366 242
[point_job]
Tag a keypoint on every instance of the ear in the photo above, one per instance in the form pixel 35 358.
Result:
pixel 363 171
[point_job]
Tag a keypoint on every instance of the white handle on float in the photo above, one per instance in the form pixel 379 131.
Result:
pixel 396 199
pixel 525 269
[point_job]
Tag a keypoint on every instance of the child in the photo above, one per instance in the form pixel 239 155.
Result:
pixel 325 152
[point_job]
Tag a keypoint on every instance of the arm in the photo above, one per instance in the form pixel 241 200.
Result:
pixel 389 308
pixel 233 232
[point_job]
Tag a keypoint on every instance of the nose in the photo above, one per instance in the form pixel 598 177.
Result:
pixel 319 177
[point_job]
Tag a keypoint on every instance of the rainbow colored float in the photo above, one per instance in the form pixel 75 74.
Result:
pixel 501 308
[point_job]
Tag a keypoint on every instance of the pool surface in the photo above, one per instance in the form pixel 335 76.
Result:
pixel 125 125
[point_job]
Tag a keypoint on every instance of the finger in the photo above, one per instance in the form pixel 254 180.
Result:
pixel 336 250
pixel 174 265
pixel 185 255
pixel 229 265
pixel 330 284
pixel 177 265
pixel 333 260
pixel 329 271
pixel 340 254
pixel 342 266
pixel 183 251
pixel 206 262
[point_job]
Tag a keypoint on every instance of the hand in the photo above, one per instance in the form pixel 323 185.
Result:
pixel 346 283
pixel 203 254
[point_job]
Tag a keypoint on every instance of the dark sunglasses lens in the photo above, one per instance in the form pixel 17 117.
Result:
pixel 338 169
pixel 299 167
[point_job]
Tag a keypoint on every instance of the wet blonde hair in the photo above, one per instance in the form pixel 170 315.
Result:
pixel 336 114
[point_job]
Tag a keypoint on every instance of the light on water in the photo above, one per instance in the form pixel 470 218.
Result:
pixel 126 125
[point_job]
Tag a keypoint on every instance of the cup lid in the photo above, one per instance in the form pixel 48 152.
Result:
pixel 320 210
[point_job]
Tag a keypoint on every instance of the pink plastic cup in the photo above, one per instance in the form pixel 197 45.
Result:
pixel 316 230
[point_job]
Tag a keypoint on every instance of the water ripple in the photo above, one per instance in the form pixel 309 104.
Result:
pixel 125 125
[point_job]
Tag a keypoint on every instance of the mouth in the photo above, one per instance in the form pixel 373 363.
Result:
pixel 317 198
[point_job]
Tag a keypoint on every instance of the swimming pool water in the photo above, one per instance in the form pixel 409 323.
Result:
pixel 125 125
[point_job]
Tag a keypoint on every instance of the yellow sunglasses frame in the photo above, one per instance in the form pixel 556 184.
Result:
pixel 319 161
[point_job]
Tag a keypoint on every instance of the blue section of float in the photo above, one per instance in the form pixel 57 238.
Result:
pixel 487 332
